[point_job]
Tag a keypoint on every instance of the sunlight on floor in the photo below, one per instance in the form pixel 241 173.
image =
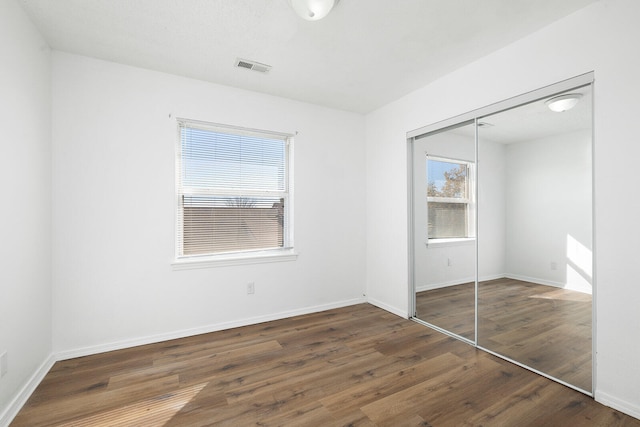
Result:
pixel 564 295
pixel 156 411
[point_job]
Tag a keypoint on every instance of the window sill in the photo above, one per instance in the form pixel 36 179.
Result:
pixel 227 260
pixel 450 242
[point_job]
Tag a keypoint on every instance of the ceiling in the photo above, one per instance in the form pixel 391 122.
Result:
pixel 365 54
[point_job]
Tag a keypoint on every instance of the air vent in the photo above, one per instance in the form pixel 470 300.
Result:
pixel 252 65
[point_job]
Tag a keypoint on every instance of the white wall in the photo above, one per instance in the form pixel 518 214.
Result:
pixel 491 209
pixel 25 217
pixel 600 38
pixel 548 209
pixel 114 134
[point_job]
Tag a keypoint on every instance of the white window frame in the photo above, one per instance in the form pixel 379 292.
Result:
pixel 469 201
pixel 285 253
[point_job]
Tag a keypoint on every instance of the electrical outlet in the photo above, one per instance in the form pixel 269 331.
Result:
pixel 251 288
pixel 554 265
pixel 449 262
pixel 4 364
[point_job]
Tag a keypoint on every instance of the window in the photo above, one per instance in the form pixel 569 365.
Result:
pixel 449 198
pixel 233 191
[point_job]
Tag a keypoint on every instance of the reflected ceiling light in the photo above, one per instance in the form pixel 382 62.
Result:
pixel 563 102
pixel 312 10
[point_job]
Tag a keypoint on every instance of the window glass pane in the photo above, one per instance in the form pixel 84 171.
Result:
pixel 225 224
pixel 222 160
pixel 447 220
pixel 446 179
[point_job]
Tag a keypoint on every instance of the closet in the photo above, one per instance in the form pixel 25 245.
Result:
pixel 501 229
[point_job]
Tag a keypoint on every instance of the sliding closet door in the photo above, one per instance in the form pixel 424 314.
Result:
pixel 535 237
pixel 443 214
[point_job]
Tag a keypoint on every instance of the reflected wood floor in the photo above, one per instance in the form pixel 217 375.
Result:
pixel 353 366
pixel 451 308
pixel 546 328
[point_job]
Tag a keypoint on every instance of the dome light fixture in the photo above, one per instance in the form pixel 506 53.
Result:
pixel 563 102
pixel 312 10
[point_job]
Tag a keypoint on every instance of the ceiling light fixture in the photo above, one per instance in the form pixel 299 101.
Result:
pixel 312 10
pixel 563 102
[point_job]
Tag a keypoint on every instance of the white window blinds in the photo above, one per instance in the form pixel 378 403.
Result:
pixel 232 190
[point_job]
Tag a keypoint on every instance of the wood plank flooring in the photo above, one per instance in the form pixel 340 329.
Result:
pixel 546 328
pixel 451 308
pixel 354 366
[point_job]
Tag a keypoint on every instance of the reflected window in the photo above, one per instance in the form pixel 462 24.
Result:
pixel 448 198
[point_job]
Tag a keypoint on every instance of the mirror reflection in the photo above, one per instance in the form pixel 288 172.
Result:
pixel 537 229
pixel 502 225
pixel 444 226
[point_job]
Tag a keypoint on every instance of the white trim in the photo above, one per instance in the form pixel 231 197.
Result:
pixel 457 241
pixel 491 277
pixel 594 250
pixel 471 279
pixel 535 280
pixel 545 282
pixel 389 308
pixel 152 339
pixel 16 404
pixel 617 404
pixel 411 240
pixel 448 159
pixel 241 130
pixel 234 259
pixel 439 285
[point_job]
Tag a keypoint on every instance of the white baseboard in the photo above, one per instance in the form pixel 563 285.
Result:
pixel 439 285
pixel 617 404
pixel 27 390
pixel 151 339
pixel 492 277
pixel 535 280
pixel 402 313
pixel 539 281
pixel 432 286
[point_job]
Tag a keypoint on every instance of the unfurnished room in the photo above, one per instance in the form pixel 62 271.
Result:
pixel 319 213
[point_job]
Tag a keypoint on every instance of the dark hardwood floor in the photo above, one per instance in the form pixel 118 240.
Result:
pixel 354 366
pixel 546 328
pixel 451 308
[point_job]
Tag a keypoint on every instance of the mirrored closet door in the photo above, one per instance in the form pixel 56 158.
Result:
pixel 501 229
pixel 538 310
pixel 444 229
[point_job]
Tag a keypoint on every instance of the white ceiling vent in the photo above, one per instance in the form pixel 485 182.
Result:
pixel 252 65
